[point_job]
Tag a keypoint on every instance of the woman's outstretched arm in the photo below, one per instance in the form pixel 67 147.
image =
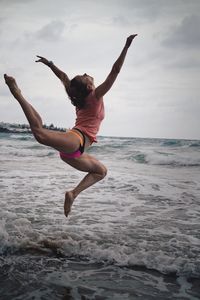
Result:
pixel 60 74
pixel 103 88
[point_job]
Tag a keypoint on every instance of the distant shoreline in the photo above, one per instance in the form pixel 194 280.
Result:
pixel 24 128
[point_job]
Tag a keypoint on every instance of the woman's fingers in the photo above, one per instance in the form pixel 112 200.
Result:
pixel 41 59
pixel 130 39
pixel 39 56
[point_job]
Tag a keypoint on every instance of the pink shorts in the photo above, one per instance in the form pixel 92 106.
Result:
pixel 78 152
pixel 74 154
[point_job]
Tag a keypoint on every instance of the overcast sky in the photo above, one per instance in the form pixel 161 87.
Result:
pixel 157 91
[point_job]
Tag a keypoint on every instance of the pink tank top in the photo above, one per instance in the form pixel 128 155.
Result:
pixel 89 118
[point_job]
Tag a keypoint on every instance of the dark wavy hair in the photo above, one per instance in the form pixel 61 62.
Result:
pixel 77 92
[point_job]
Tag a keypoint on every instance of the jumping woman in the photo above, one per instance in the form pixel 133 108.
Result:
pixel 88 101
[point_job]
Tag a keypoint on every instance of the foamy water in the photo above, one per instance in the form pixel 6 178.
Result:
pixel 134 235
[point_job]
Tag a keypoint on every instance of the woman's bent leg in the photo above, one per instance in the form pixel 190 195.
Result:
pixel 96 172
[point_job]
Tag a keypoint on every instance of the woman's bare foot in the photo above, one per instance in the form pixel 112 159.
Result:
pixel 10 81
pixel 69 199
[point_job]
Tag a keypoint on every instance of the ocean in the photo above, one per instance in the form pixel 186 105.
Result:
pixel 134 235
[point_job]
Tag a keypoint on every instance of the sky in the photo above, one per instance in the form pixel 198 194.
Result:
pixel 156 94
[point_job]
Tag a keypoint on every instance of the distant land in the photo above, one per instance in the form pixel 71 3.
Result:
pixel 24 128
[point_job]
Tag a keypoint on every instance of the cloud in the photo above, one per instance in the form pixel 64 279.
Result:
pixel 120 21
pixel 51 31
pixel 15 2
pixel 3 90
pixel 185 34
pixel 1 23
pixel 161 68
pixel 185 62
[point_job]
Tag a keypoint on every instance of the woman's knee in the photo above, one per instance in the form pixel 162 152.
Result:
pixel 40 135
pixel 105 171
pixel 102 172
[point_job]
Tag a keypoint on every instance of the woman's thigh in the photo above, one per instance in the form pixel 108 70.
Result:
pixel 61 141
pixel 86 163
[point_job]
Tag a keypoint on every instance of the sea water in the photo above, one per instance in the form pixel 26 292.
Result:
pixel 134 235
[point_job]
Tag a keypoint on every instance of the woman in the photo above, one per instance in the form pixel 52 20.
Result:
pixel 88 101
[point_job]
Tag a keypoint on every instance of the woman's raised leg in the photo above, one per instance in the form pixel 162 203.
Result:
pixel 61 141
pixel 31 114
pixel 96 172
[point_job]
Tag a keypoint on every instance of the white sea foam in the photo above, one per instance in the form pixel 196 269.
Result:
pixel 142 215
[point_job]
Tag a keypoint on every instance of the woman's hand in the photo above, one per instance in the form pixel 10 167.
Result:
pixel 60 74
pixel 129 40
pixel 43 60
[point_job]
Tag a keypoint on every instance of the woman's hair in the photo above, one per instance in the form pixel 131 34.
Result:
pixel 77 92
